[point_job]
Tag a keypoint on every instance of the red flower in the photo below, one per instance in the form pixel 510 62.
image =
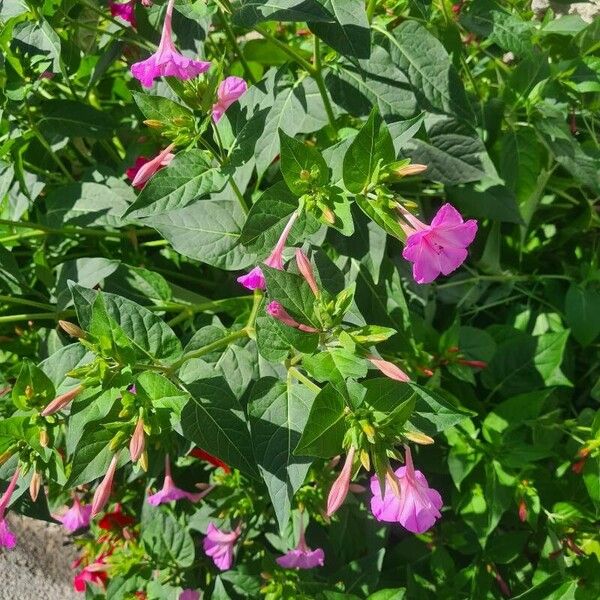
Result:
pixel 209 458
pixel 116 519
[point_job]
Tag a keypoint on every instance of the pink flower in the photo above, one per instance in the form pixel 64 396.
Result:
pixel 61 401
pixel 94 573
pixel 417 506
pixel 124 10
pixel 230 90
pixel 254 280
pixel 389 369
pixel 171 492
pixel 440 247
pixel 302 557
pixel 144 168
pixel 77 517
pixel 166 61
pixel 103 491
pixel 219 545
pixel 8 539
pixel 339 489
pixel 137 442
pixel 189 594
pixel 306 271
pixel 276 310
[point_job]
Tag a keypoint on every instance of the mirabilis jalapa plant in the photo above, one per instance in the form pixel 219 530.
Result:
pixel 291 427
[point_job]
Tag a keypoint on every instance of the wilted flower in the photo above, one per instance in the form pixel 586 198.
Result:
pixel 8 539
pixel 437 248
pixel 230 90
pixel 389 369
pixel 339 489
pixel 103 491
pixel 416 507
pixel 77 517
pixel 276 310
pixel 61 401
pixel 124 10
pixel 302 557
pixel 219 545
pixel 171 492
pixel 166 61
pixel 145 168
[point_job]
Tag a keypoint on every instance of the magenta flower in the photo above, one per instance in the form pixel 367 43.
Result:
pixel 417 506
pixel 8 539
pixel 339 489
pixel 77 517
pixel 219 545
pixel 440 247
pixel 276 310
pixel 171 492
pixel 189 594
pixel 103 491
pixel 145 168
pixel 255 280
pixel 124 10
pixel 166 61
pixel 389 369
pixel 302 557
pixel 230 90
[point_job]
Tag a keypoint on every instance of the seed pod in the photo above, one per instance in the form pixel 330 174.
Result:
pixel 44 438
pixel 418 438
pixel 35 484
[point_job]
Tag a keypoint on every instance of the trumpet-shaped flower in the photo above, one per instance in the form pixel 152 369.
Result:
pixel 230 90
pixel 339 489
pixel 144 168
pixel 124 10
pixel 103 491
pixel 254 280
pixel 166 61
pixel 171 492
pixel 302 557
pixel 8 539
pixel 77 517
pixel 440 247
pixel 219 545
pixel 417 506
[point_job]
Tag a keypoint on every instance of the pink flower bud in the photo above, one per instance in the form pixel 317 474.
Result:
pixel 388 368
pixel 306 270
pixel 35 484
pixel 339 489
pixel 275 259
pixel 137 443
pixel 103 491
pixel 61 401
pixel 148 169
pixel 276 310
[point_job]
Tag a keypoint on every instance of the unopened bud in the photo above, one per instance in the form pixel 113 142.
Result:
pixel 328 215
pixel 29 393
pixel 61 401
pixel 35 484
pixel 102 493
pixel 143 462
pixel 6 455
pixel 368 430
pixel 339 489
pixel 72 329
pixel 418 438
pixel 117 441
pixel 365 460
pixel 137 443
pixel 44 438
pixel 388 368
pixel 154 123
pixel 407 170
pixel 522 511
pixel 306 271
pixel 305 175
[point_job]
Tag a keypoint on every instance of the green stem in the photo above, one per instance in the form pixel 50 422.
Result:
pixel 69 230
pixel 236 47
pixel 256 300
pixel 25 302
pixel 303 379
pixel 318 76
pixel 285 48
pixel 371 9
pixel 49 316
pixel 240 196
pixel 48 148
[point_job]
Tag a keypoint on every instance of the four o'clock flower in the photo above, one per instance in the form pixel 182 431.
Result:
pixel 189 594
pixel 230 90
pixel 8 539
pixel 389 369
pixel 171 492
pixel 440 247
pixel 219 545
pixel 166 61
pixel 77 517
pixel 276 310
pixel 306 271
pixel 124 10
pixel 61 401
pixel 417 506
pixel 102 493
pixel 339 489
pixel 255 280
pixel 137 442
pixel 145 168
pixel 302 557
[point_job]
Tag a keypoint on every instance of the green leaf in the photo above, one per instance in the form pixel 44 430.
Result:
pixel 69 118
pixel 302 166
pixel 278 413
pixel 335 365
pixel 11 277
pixel 350 33
pixel 150 335
pixel 272 342
pixel 168 542
pixel 248 13
pixel 208 231
pixel 382 214
pixel 582 311
pixel 372 147
pixel 485 200
pixel 214 420
pixel 161 109
pixel 429 68
pixel 33 388
pixel 188 177
pixel 325 428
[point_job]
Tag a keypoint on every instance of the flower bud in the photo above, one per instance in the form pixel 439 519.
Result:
pixel 102 493
pixel 117 441
pixel 6 455
pixel 35 484
pixel 154 123
pixel 339 489
pixel 72 329
pixel 143 462
pixel 388 368
pixel 137 443
pixel 306 271
pixel 407 170
pixel 44 438
pixel 61 401
pixel 522 511
pixel 418 438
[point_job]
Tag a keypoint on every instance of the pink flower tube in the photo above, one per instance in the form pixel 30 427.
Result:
pixel 103 491
pixel 219 545
pixel 77 517
pixel 389 369
pixel 8 539
pixel 437 248
pixel 230 90
pixel 276 310
pixel 144 168
pixel 170 491
pixel 302 557
pixel 339 489
pixel 166 61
